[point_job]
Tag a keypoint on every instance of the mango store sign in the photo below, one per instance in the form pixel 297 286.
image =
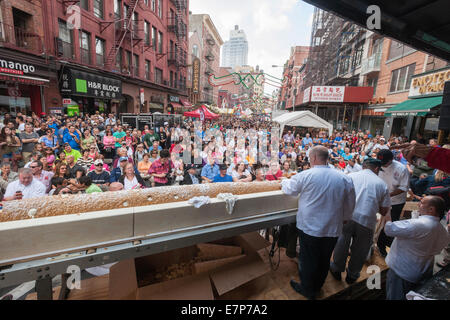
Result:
pixel 429 84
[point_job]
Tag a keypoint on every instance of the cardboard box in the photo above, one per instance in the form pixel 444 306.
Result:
pixel 137 278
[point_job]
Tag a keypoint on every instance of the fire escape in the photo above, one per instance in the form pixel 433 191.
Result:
pixel 176 24
pixel 126 29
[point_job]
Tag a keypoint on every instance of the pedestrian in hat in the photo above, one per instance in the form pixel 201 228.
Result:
pixel 396 177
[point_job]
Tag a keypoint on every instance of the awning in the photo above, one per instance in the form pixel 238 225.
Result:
pixel 185 103
pixel 24 79
pixel 176 105
pixel 155 106
pixel 416 107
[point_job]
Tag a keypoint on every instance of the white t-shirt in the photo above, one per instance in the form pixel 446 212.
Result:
pixel 236 175
pixel 396 176
pixel 129 185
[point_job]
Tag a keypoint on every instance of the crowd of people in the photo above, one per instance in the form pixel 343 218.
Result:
pixel 52 155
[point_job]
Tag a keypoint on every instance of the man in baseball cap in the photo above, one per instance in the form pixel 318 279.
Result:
pixel 396 176
pixel 385 156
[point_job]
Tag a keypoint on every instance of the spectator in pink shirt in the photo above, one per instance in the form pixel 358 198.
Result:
pixel 40 174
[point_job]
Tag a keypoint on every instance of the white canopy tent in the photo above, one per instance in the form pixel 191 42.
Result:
pixel 305 119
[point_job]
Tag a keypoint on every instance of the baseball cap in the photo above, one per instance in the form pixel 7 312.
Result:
pixel 373 161
pixel 123 159
pixel 385 156
pixel 98 161
pixel 223 166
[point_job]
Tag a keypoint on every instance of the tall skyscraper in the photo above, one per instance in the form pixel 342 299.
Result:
pixel 235 51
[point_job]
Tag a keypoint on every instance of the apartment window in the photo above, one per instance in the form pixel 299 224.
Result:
pixel 146 2
pixel 398 49
pixel 136 65
pixel 401 78
pixel 160 42
pixel 176 77
pixel 135 22
pixel 125 15
pixel 84 4
pixel 171 79
pixel 66 36
pixel 117 6
pixel 147 69
pixel 160 8
pixel 154 32
pixel 158 76
pixel 119 59
pixel 171 52
pixel 147 33
pixel 195 50
pixel 98 8
pixel 153 5
pixel 373 82
pixel 128 61
pixel 85 47
pixel 100 51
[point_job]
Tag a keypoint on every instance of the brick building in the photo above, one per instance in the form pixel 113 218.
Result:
pixel 205 43
pixel 106 55
pixel 28 77
pixel 291 95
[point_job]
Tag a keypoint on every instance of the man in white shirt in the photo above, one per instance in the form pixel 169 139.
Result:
pixel 327 200
pixel 25 188
pixel 396 176
pixel 416 242
pixel 352 166
pixel 372 196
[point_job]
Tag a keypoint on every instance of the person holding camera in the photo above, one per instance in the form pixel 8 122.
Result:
pixel 161 169
pixel 25 188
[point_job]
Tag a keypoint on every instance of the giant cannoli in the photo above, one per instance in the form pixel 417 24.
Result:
pixel 77 204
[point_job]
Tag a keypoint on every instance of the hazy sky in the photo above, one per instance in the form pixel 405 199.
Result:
pixel 272 27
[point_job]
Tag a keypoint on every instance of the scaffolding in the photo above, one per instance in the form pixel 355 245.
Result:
pixel 335 51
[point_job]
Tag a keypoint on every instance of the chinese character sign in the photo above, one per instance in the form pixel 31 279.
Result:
pixel 327 94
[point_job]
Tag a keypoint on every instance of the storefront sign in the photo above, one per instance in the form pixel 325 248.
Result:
pixel 13 67
pixel 307 95
pixel 174 99
pixel 157 98
pixel 196 75
pixel 327 94
pixel 90 85
pixel 67 101
pixel 429 84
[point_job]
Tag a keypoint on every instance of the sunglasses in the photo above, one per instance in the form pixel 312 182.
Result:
pixel 98 165
pixel 34 167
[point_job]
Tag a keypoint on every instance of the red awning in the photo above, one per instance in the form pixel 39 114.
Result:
pixel 185 103
pixel 176 105
pixel 196 114
pixel 24 79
